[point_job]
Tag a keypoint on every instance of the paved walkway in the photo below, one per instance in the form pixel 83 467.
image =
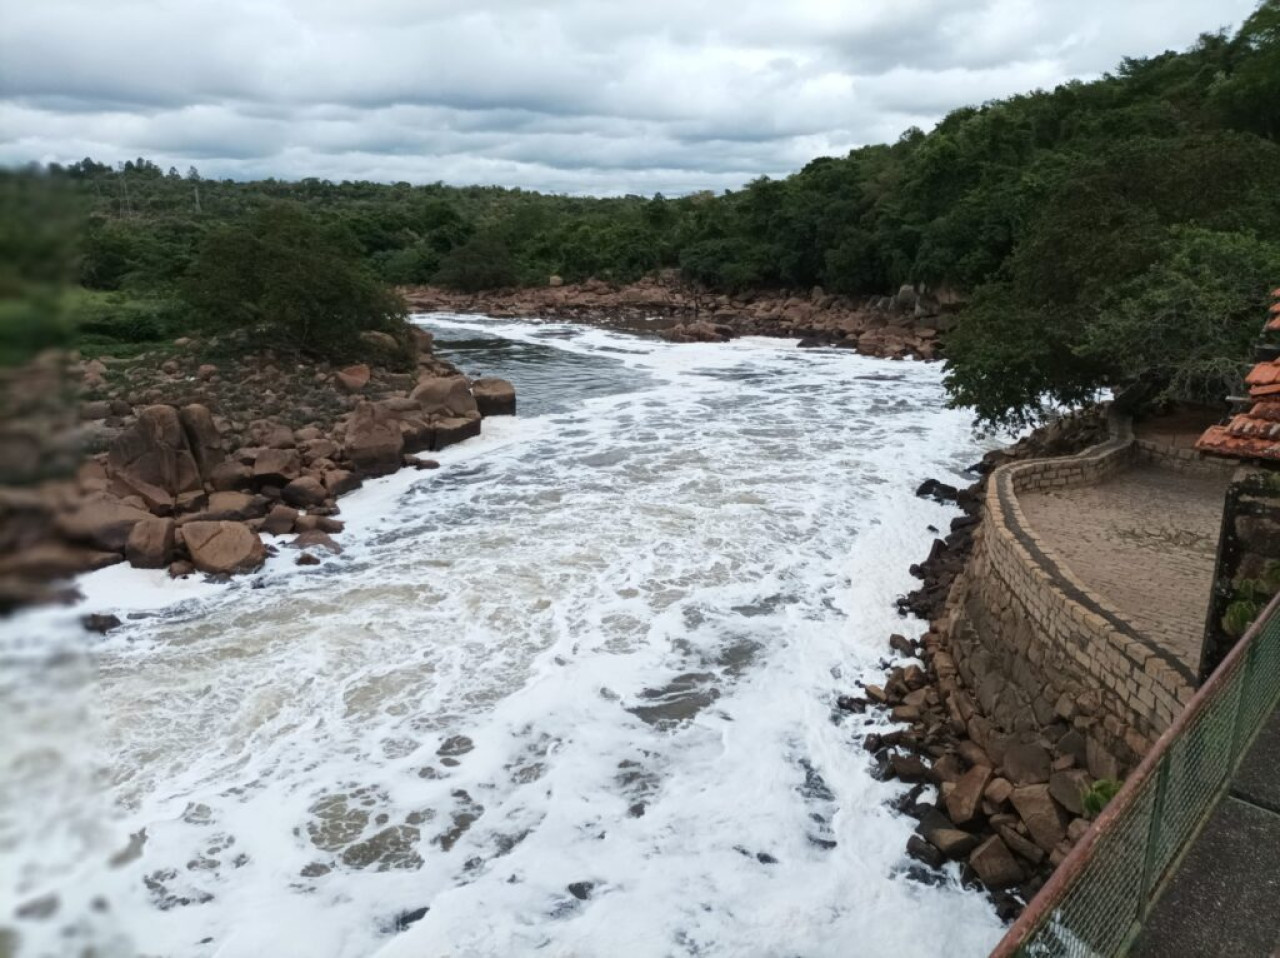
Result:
pixel 1224 900
pixel 1145 541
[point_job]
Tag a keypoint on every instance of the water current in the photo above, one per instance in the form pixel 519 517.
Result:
pixel 570 694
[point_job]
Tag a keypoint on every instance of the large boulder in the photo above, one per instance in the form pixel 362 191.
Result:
pixel 223 548
pixel 994 864
pixel 304 492
pixel 372 441
pixel 444 396
pixel 101 521
pixel 151 459
pixel 1036 807
pixel 54 560
pixel 234 506
pixel 494 397
pixel 453 429
pixel 202 438
pixel 276 467
pixel 151 544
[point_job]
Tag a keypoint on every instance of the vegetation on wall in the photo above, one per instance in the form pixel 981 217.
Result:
pixel 1101 233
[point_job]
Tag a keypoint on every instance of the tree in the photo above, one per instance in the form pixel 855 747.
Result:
pixel 298 280
pixel 483 262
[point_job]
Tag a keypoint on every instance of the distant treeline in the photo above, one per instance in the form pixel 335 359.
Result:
pixel 1102 233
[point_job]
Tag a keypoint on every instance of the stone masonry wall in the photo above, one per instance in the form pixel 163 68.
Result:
pixel 1181 458
pixel 1038 647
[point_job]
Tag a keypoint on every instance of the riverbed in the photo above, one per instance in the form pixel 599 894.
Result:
pixel 570 694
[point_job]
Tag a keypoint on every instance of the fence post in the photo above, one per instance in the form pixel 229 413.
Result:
pixel 1243 699
pixel 1153 839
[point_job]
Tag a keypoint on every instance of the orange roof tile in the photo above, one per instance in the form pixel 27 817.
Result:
pixel 1274 324
pixel 1266 410
pixel 1275 307
pixel 1264 374
pixel 1261 392
pixel 1219 442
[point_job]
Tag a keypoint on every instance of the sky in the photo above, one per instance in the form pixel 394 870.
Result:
pixel 567 96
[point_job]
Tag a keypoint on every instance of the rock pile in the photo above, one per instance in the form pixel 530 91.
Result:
pixel 184 463
pixel 1008 806
pixel 910 323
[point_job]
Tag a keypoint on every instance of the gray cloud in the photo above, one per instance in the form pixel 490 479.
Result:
pixel 565 95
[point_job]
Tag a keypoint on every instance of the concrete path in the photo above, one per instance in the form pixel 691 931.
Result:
pixel 1224 899
pixel 1145 542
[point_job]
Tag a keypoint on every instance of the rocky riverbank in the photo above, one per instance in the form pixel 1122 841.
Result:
pixel 910 323
pixel 182 458
pixel 1008 808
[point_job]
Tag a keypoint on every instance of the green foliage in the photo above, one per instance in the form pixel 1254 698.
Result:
pixel 1097 796
pixel 297 280
pixel 1249 598
pixel 1104 233
pixel 483 262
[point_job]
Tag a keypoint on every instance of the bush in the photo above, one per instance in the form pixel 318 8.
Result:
pixel 483 262
pixel 298 280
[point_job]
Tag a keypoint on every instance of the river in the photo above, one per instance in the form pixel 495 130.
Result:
pixel 572 693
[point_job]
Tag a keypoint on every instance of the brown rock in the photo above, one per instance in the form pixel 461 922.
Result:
pixel 54 560
pixel 908 768
pixel 965 798
pixel 304 492
pixel 339 482
pixel 373 441
pixel 446 396
pixel 973 753
pixel 948 768
pixel 352 379
pixel 235 506
pixel 1020 845
pixel 101 521
pixel 181 568
pixel 314 539
pixel 1041 814
pixel 203 438
pixel 150 544
pixel 279 520
pixel 998 791
pixel 494 397
pixel 228 475
pixel 308 559
pixel 276 467
pixel 994 865
pixel 1101 763
pixel 151 459
pixel 313 449
pixel 223 547
pixel 1026 764
pixel 952 842
pixel 1068 788
pixel 449 431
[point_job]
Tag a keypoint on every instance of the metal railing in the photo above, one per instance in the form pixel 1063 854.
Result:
pixel 1097 900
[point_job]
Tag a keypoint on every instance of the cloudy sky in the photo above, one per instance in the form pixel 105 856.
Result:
pixel 576 96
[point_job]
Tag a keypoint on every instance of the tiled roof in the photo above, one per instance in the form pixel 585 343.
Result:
pixel 1255 434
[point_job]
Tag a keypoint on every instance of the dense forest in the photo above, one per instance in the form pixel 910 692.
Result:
pixel 1103 233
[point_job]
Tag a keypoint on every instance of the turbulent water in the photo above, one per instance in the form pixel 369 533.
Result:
pixel 572 693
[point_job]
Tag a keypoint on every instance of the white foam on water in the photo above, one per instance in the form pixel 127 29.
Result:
pixel 572 692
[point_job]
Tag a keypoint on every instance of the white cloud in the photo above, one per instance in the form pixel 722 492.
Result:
pixel 564 95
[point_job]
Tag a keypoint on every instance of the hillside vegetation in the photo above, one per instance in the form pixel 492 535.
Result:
pixel 1103 233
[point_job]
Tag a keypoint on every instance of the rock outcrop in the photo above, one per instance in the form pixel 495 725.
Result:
pixel 191 459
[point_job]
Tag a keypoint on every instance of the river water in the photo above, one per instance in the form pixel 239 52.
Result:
pixel 572 693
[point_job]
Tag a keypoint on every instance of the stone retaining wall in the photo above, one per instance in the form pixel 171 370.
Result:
pixel 1181 459
pixel 1038 647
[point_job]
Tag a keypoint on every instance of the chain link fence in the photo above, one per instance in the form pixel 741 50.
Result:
pixel 1095 903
